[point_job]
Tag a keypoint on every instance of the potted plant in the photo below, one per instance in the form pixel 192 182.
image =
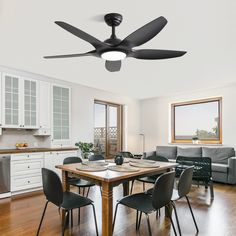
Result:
pixel 86 148
pixel 195 140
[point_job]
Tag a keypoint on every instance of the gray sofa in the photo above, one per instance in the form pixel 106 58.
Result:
pixel 223 159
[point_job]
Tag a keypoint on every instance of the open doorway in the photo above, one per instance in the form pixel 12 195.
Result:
pixel 107 128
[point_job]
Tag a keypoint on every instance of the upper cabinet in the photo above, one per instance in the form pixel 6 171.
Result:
pixel 19 102
pixel 61 115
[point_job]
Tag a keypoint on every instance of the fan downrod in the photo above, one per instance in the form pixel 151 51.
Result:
pixel 113 19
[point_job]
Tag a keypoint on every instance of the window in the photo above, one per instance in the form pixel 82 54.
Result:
pixel 197 121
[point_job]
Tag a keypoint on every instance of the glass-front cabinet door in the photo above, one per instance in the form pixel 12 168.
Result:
pixel 30 103
pixel 61 115
pixel 11 101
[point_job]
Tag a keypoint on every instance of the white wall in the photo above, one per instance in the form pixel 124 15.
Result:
pixel 155 115
pixel 82 100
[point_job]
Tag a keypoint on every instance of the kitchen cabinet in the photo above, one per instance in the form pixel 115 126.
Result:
pixel 56 158
pixel 61 115
pixel 0 103
pixel 44 109
pixel 19 102
pixel 26 172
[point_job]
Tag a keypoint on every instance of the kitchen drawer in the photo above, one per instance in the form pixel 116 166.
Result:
pixel 27 156
pixel 19 168
pixel 26 182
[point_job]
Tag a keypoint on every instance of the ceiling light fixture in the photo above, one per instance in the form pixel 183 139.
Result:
pixel 113 55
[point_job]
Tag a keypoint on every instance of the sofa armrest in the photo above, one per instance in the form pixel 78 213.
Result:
pixel 232 170
pixel 149 154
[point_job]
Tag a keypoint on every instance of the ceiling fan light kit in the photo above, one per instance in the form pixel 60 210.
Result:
pixel 113 49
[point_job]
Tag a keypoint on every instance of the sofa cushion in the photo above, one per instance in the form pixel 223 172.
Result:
pixel 189 151
pixel 217 167
pixel 166 151
pixel 219 154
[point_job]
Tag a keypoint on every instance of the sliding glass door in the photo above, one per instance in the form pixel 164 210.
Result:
pixel 107 128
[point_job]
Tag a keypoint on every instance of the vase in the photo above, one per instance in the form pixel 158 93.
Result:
pixel 119 160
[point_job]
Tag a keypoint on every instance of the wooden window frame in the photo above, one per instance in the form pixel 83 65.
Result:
pixel 205 141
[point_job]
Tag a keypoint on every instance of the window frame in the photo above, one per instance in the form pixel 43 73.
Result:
pixel 193 102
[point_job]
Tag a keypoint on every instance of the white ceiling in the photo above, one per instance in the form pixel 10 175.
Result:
pixel 205 29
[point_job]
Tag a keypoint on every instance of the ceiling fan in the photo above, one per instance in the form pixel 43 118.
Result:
pixel 113 50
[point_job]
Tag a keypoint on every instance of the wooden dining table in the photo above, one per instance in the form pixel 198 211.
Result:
pixel 108 179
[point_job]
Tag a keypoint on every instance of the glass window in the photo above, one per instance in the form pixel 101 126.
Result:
pixel 197 121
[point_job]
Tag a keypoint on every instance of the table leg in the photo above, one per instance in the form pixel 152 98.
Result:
pixel 126 188
pixel 107 211
pixel 66 187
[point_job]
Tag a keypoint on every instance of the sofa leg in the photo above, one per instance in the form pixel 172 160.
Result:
pixel 211 189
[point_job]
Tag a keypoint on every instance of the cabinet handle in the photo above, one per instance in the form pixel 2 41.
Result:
pixel 27 155
pixel 23 126
pixel 28 181
pixel 0 124
pixel 28 167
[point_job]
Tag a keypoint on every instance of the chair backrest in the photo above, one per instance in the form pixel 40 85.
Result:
pixel 163 189
pixel 52 187
pixel 158 158
pixel 96 157
pixel 72 160
pixel 125 154
pixel 185 181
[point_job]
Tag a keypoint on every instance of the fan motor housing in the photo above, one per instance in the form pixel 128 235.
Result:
pixel 113 19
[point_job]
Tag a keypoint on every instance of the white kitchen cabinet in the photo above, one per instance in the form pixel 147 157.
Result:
pixel 0 103
pixel 26 172
pixel 44 109
pixel 61 113
pixel 56 158
pixel 19 102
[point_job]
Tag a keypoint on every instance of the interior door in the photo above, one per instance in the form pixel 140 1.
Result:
pixel 107 128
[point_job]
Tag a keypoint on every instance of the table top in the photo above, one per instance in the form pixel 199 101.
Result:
pixel 112 176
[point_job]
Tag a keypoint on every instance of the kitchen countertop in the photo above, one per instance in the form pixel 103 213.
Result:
pixel 27 150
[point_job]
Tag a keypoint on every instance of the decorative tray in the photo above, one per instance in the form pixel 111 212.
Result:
pixel 113 161
pixel 123 168
pixel 144 164
pixel 91 168
pixel 143 161
pixel 94 163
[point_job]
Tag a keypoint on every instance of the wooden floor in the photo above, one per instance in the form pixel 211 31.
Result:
pixel 20 216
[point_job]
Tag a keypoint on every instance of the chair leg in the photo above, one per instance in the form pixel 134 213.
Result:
pixel 78 216
pixel 114 221
pixel 132 185
pixel 189 205
pixel 65 222
pixel 148 223
pixel 172 223
pixel 79 190
pixel 71 218
pixel 88 192
pixel 177 218
pixel 140 217
pixel 44 210
pixel 143 186
pixel 95 219
pixel 211 189
pixel 137 219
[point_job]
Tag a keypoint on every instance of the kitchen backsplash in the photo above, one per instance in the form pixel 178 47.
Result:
pixel 10 137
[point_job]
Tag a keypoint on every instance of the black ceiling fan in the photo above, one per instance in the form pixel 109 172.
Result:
pixel 113 50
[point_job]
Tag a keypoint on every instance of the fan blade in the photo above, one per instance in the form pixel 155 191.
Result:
pixel 91 53
pixel 152 54
pixel 81 34
pixel 145 33
pixel 113 66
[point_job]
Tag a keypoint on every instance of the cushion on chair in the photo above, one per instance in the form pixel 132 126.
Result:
pixel 189 151
pixel 218 155
pixel 166 151
pixel 217 167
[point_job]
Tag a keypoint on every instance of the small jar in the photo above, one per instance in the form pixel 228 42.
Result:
pixel 119 160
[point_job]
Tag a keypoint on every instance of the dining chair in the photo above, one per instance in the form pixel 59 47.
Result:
pixel 66 201
pixel 96 157
pixel 145 203
pixel 184 187
pixel 149 179
pixel 78 182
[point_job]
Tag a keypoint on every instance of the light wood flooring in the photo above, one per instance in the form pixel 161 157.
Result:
pixel 20 216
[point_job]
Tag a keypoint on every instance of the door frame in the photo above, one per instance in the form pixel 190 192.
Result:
pixel 119 123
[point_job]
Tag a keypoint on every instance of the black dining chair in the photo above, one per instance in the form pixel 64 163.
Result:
pixel 184 187
pixel 145 203
pixel 96 157
pixel 78 182
pixel 149 179
pixel 66 201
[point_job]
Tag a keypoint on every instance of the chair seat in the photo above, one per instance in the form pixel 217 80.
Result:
pixel 72 200
pixel 80 182
pixel 175 195
pixel 140 201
